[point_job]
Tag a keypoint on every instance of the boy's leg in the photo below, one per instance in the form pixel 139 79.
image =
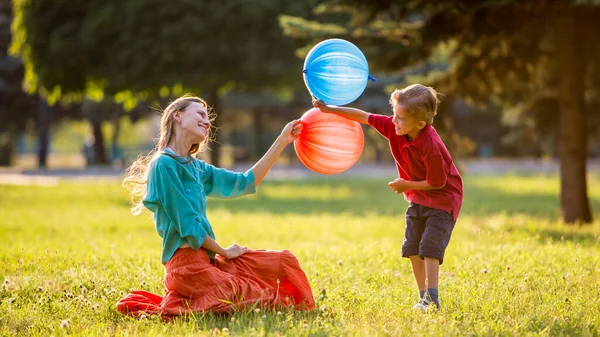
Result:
pixel 432 270
pixel 415 225
pixel 435 239
pixel 419 271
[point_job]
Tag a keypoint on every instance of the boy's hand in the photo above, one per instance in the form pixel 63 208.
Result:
pixel 317 103
pixel 399 185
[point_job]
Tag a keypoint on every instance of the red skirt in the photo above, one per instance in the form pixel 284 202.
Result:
pixel 264 279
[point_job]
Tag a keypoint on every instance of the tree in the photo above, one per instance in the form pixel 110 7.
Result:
pixel 16 108
pixel 500 50
pixel 147 48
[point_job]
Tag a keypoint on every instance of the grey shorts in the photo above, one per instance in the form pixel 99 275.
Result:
pixel 427 233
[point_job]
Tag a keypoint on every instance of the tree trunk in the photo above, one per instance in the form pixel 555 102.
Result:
pixel 215 146
pixel 43 127
pixel 572 128
pixel 259 130
pixel 6 148
pixel 115 153
pixel 99 148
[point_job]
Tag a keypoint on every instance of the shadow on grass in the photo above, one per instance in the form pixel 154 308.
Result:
pixel 364 197
pixel 584 239
pixel 374 196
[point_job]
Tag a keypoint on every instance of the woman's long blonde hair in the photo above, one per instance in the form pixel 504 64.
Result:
pixel 136 175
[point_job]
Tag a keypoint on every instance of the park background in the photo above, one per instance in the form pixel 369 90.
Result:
pixel 81 89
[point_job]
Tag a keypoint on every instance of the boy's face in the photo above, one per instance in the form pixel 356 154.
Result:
pixel 406 124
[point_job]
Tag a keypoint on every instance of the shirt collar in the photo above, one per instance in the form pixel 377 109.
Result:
pixel 422 136
pixel 169 152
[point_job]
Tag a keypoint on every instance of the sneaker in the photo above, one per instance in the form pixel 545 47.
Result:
pixel 423 305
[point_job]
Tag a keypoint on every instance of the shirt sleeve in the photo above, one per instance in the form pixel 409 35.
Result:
pixel 436 166
pixel 383 124
pixel 165 183
pixel 221 183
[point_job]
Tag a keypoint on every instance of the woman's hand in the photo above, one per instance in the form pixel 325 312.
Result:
pixel 291 131
pixel 235 250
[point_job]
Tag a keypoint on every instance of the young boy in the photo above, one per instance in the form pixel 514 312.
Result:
pixel 428 178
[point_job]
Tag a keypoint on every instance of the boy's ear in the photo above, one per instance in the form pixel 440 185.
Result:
pixel 421 125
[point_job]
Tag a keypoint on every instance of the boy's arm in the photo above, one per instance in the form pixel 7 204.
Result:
pixel 436 176
pixel 400 185
pixel 350 113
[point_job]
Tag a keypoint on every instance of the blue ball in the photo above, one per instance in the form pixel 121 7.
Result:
pixel 336 72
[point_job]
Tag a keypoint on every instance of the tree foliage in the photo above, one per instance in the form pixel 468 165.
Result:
pixel 147 49
pixel 521 54
pixel 497 48
pixel 152 48
pixel 16 108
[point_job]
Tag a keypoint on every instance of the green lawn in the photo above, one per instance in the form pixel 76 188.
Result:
pixel 69 252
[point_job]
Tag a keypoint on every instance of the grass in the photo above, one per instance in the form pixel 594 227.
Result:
pixel 69 252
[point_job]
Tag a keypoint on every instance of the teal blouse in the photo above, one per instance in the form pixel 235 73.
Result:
pixel 176 194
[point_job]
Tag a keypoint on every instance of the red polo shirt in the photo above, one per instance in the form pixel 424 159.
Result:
pixel 424 158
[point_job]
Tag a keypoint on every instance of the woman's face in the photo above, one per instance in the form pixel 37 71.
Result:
pixel 195 122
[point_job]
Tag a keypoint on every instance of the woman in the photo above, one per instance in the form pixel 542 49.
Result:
pixel 201 275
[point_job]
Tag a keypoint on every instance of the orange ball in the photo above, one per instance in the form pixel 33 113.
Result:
pixel 329 143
